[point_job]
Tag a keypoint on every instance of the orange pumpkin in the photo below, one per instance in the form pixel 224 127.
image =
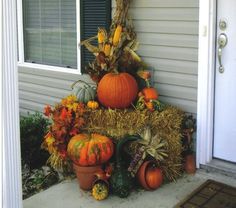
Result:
pixel 117 90
pixel 150 93
pixel 90 150
pixel 149 176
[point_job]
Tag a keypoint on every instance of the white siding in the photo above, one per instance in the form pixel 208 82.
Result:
pixel 41 87
pixel 168 34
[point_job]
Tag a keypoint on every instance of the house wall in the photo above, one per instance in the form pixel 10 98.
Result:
pixel 168 34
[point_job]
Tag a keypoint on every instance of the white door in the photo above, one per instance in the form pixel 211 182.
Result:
pixel 225 82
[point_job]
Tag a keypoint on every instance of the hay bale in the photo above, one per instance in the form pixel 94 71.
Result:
pixel 167 123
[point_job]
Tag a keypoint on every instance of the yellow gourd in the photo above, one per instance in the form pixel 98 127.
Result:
pixel 100 191
pixel 92 104
pixel 117 35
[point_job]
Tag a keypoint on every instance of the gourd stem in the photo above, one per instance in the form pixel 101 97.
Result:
pixel 72 86
pixel 121 143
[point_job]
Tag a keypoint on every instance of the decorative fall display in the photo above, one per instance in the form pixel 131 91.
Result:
pixel 149 176
pixel 93 104
pixel 82 129
pixel 121 180
pixel 100 190
pixel 90 149
pixel 117 90
pixel 83 93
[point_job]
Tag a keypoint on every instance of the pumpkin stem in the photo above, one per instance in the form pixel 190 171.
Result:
pixel 72 86
pixel 115 71
pixel 147 83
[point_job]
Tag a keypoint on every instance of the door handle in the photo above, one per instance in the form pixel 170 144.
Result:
pixel 222 42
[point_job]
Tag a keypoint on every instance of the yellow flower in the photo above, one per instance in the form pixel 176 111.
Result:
pixel 68 100
pixel 72 106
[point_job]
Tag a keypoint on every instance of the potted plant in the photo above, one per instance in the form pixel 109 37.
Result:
pixel 189 127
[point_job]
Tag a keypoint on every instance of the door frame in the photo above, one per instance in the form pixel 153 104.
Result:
pixel 206 81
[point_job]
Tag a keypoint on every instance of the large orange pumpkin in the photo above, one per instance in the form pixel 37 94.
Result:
pixel 90 149
pixel 117 90
pixel 150 93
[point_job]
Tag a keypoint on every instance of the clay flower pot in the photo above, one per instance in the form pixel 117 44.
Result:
pixel 190 164
pixel 149 176
pixel 86 175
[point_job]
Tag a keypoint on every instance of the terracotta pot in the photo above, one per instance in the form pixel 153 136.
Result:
pixel 190 164
pixel 86 175
pixel 149 178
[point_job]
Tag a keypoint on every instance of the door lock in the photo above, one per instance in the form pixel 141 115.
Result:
pixel 222 42
pixel 222 24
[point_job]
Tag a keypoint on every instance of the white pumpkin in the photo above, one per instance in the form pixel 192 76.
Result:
pixel 83 91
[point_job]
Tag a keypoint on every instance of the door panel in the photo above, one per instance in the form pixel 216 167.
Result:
pixel 225 85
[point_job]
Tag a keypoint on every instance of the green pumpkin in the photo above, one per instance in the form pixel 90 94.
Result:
pixel 121 180
pixel 84 92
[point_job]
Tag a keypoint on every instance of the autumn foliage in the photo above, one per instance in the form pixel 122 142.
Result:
pixel 66 122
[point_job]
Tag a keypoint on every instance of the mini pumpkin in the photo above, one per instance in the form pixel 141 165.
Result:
pixel 90 149
pixel 150 93
pixel 92 104
pixel 84 92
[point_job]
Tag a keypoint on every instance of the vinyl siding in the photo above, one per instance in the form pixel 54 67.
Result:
pixel 168 34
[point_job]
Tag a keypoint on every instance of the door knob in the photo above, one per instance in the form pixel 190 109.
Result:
pixel 222 42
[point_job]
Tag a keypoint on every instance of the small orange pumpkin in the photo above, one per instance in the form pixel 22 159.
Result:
pixel 90 150
pixel 150 93
pixel 117 90
pixel 149 176
pixel 92 104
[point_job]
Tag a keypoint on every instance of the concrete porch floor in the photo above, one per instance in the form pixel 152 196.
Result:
pixel 67 194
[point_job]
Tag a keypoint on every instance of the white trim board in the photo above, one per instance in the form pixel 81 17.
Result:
pixel 206 73
pixel 12 189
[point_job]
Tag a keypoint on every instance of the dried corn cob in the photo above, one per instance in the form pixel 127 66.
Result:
pixel 107 49
pixel 117 35
pixel 102 34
